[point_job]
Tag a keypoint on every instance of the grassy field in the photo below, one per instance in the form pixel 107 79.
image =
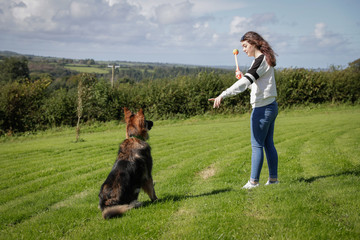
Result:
pixel 49 183
pixel 88 69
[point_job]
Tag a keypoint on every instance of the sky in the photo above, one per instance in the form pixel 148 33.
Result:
pixel 304 34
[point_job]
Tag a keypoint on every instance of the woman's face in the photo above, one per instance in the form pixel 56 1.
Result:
pixel 248 48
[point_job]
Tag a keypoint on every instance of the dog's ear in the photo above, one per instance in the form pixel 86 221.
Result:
pixel 128 114
pixel 140 117
pixel 140 113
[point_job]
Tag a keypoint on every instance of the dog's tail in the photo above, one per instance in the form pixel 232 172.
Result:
pixel 117 210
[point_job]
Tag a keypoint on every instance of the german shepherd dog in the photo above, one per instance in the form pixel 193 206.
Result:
pixel 131 170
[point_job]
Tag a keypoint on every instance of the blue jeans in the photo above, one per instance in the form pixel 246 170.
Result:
pixel 262 124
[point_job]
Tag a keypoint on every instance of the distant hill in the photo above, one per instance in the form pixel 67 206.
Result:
pixel 9 54
pixel 122 63
pixel 62 68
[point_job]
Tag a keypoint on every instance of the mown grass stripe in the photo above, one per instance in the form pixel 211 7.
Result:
pixel 326 149
pixel 53 151
pixel 21 159
pixel 350 147
pixel 42 173
pixel 28 206
pixel 76 207
pixel 17 191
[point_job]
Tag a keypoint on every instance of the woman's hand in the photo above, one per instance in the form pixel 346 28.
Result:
pixel 216 101
pixel 238 74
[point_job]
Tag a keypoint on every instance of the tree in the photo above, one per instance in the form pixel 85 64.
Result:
pixel 90 61
pixel 14 68
pixel 79 108
pixel 20 105
pixel 355 65
pixel 85 86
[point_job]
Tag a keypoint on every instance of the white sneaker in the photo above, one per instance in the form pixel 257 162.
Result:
pixel 269 183
pixel 250 185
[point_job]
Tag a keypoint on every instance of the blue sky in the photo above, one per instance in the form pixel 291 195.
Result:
pixel 308 33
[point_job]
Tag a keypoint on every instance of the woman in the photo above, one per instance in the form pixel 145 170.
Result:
pixel 261 80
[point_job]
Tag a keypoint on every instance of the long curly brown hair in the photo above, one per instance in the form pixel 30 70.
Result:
pixel 260 43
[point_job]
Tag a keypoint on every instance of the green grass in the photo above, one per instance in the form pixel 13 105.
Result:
pixel 49 183
pixel 88 69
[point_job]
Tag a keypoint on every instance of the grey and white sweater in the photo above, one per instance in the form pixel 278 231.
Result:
pixel 260 79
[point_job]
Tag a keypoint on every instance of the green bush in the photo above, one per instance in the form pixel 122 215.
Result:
pixel 60 108
pixel 20 104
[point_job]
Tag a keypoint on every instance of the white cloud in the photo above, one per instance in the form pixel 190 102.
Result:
pixel 257 22
pixel 323 39
pixel 239 25
pixel 20 11
pixel 112 2
pixel 108 21
pixel 199 7
pixel 174 14
pixel 202 7
pixel 81 10
pixel 74 20
pixel 320 30
pixel 130 22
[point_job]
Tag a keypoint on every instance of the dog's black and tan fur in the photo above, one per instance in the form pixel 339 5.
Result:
pixel 131 171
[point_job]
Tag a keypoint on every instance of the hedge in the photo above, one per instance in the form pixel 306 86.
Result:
pixel 32 105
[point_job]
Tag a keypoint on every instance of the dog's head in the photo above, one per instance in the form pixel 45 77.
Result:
pixel 136 124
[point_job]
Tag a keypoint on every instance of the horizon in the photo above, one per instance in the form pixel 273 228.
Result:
pixel 97 62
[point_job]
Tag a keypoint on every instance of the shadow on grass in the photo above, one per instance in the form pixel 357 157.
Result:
pixel 345 173
pixel 178 197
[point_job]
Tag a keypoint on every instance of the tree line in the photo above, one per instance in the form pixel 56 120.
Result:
pixel 30 102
